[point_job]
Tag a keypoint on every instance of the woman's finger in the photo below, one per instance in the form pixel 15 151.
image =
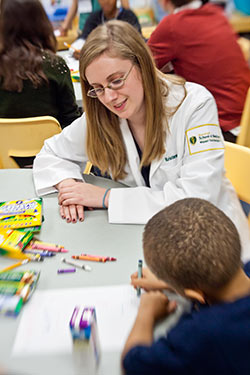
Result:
pixel 80 212
pixel 73 214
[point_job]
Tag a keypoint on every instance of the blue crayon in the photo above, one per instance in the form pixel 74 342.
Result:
pixel 139 276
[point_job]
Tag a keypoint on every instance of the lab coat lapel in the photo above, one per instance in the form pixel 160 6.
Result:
pixel 153 168
pixel 132 154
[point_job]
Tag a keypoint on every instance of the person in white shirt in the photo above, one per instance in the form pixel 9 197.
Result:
pixel 157 134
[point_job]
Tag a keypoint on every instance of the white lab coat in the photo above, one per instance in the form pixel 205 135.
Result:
pixel 193 164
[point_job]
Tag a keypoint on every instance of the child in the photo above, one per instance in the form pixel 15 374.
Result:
pixel 195 248
pixel 109 11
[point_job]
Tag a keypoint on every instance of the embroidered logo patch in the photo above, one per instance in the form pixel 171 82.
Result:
pixel 193 140
pixel 203 138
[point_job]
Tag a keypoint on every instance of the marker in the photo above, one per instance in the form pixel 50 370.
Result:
pixel 66 270
pixel 15 265
pixel 139 276
pixel 74 264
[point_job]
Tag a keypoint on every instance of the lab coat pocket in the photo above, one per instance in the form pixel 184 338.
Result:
pixel 171 172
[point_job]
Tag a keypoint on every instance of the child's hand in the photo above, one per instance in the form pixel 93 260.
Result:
pixel 153 306
pixel 156 305
pixel 76 54
pixel 148 281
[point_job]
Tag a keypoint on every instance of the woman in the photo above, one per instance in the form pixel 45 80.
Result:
pixel 33 80
pixel 155 133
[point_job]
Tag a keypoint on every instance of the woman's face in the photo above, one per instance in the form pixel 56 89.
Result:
pixel 126 102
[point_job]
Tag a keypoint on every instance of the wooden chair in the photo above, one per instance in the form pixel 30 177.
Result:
pixel 244 44
pixel 24 137
pixel 240 22
pixel 244 136
pixel 147 31
pixel 87 168
pixel 237 162
pixel 145 16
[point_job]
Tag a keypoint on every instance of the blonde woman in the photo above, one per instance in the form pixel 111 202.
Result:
pixel 157 134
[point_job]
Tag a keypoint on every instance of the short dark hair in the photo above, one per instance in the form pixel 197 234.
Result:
pixel 191 244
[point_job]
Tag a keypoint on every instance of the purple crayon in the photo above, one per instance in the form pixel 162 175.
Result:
pixel 66 270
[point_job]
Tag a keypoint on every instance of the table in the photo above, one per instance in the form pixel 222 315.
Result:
pixel 95 234
pixel 72 64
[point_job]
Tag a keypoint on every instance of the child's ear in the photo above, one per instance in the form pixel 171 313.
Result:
pixel 196 295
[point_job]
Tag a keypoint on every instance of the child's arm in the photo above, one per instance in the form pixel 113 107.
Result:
pixel 148 281
pixel 67 23
pixel 153 306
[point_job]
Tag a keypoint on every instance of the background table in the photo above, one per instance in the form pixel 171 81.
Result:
pixel 94 235
pixel 72 64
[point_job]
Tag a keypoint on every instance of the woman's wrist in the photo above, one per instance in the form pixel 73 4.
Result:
pixel 105 198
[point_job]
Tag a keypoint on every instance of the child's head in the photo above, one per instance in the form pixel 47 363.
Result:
pixel 191 244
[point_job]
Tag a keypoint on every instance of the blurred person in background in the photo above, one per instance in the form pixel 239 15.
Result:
pixel 109 11
pixel 202 47
pixel 33 80
pixel 77 7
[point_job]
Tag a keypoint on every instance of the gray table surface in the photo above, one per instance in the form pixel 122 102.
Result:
pixel 94 235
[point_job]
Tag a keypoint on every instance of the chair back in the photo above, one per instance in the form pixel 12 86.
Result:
pixel 244 44
pixel 243 138
pixel 237 162
pixel 24 137
pixel 240 22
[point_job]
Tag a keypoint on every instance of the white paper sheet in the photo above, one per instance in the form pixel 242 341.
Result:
pixel 44 325
pixel 72 63
pixel 78 43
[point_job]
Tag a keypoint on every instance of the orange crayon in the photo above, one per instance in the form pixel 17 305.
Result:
pixel 89 257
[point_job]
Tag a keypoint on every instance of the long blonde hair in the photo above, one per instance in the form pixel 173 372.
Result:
pixel 105 146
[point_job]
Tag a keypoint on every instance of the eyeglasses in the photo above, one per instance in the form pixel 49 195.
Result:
pixel 116 84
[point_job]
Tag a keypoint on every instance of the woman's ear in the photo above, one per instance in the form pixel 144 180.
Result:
pixel 195 295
